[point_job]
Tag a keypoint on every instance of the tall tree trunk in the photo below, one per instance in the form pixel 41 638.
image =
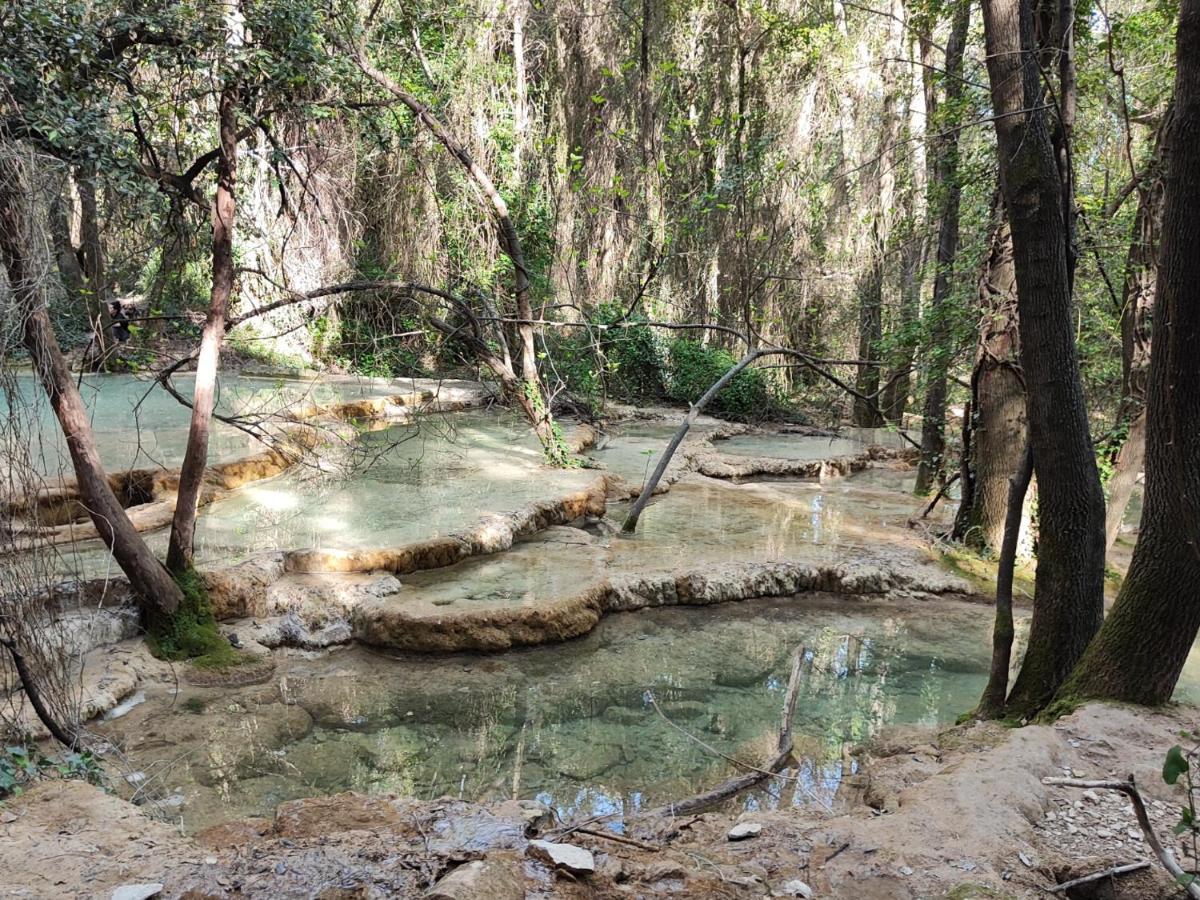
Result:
pixel 91 261
pixel 997 401
pixel 195 459
pixel 1069 586
pixel 894 397
pixel 870 333
pixel 158 594
pixel 879 195
pixel 1140 651
pixel 945 181
pixel 1137 302
pixel 69 270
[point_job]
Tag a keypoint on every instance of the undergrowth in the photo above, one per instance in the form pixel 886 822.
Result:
pixel 21 765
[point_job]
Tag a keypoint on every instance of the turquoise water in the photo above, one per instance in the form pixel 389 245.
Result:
pixel 572 724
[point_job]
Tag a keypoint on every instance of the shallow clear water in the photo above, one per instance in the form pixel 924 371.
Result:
pixel 571 724
pixel 138 424
pixel 790 446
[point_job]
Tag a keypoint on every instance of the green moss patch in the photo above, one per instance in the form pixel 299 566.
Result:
pixel 192 633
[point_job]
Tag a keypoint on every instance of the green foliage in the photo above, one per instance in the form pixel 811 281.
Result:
pixel 693 370
pixel 21 765
pixel 613 356
pixel 195 705
pixel 1177 765
pixel 192 633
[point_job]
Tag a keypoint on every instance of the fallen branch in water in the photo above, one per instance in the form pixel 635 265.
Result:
pixel 942 491
pixel 1099 876
pixel 739 783
pixel 1129 789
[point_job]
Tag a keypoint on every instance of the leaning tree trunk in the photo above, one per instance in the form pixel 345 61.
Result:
pixel 1137 303
pixel 195 459
pixel 1140 651
pixel 1069 585
pixel 997 402
pixel 527 391
pixel 158 594
pixel 945 181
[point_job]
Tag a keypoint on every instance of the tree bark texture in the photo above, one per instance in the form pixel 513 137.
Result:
pixel 945 183
pixel 1069 585
pixel 1140 652
pixel 195 460
pixel 156 590
pixel 997 402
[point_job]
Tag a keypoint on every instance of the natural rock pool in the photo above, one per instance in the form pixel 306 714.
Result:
pixel 570 724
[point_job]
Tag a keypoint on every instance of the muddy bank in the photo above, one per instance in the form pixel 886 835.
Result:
pixel 958 812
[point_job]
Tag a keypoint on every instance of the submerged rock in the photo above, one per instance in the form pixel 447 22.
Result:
pixel 290 631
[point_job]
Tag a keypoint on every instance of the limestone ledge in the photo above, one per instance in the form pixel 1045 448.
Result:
pixel 317 614
pixel 149 494
pixel 491 534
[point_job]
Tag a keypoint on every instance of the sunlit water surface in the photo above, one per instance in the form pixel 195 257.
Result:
pixel 573 724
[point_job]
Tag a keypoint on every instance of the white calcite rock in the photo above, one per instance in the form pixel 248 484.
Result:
pixel 574 859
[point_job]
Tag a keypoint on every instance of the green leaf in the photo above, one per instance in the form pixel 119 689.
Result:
pixel 1175 765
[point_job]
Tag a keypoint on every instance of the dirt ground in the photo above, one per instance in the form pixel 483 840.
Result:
pixel 955 813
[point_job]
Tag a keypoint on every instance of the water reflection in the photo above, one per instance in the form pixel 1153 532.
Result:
pixel 571 724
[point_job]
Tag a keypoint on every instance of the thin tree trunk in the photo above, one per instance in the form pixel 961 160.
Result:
pixel 1069 586
pixel 945 181
pixel 894 398
pixel 195 459
pixel 631 520
pixel 870 333
pixel 91 258
pixel 1137 303
pixel 998 401
pixel 991 704
pixel 1140 651
pixel 1130 459
pixel 158 594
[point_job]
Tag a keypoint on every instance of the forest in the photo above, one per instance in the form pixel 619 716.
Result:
pixel 726 448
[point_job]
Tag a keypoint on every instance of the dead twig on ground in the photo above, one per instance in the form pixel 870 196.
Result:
pixel 619 839
pixel 1130 789
pixel 1099 876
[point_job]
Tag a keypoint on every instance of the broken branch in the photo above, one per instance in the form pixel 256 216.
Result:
pixel 1130 789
